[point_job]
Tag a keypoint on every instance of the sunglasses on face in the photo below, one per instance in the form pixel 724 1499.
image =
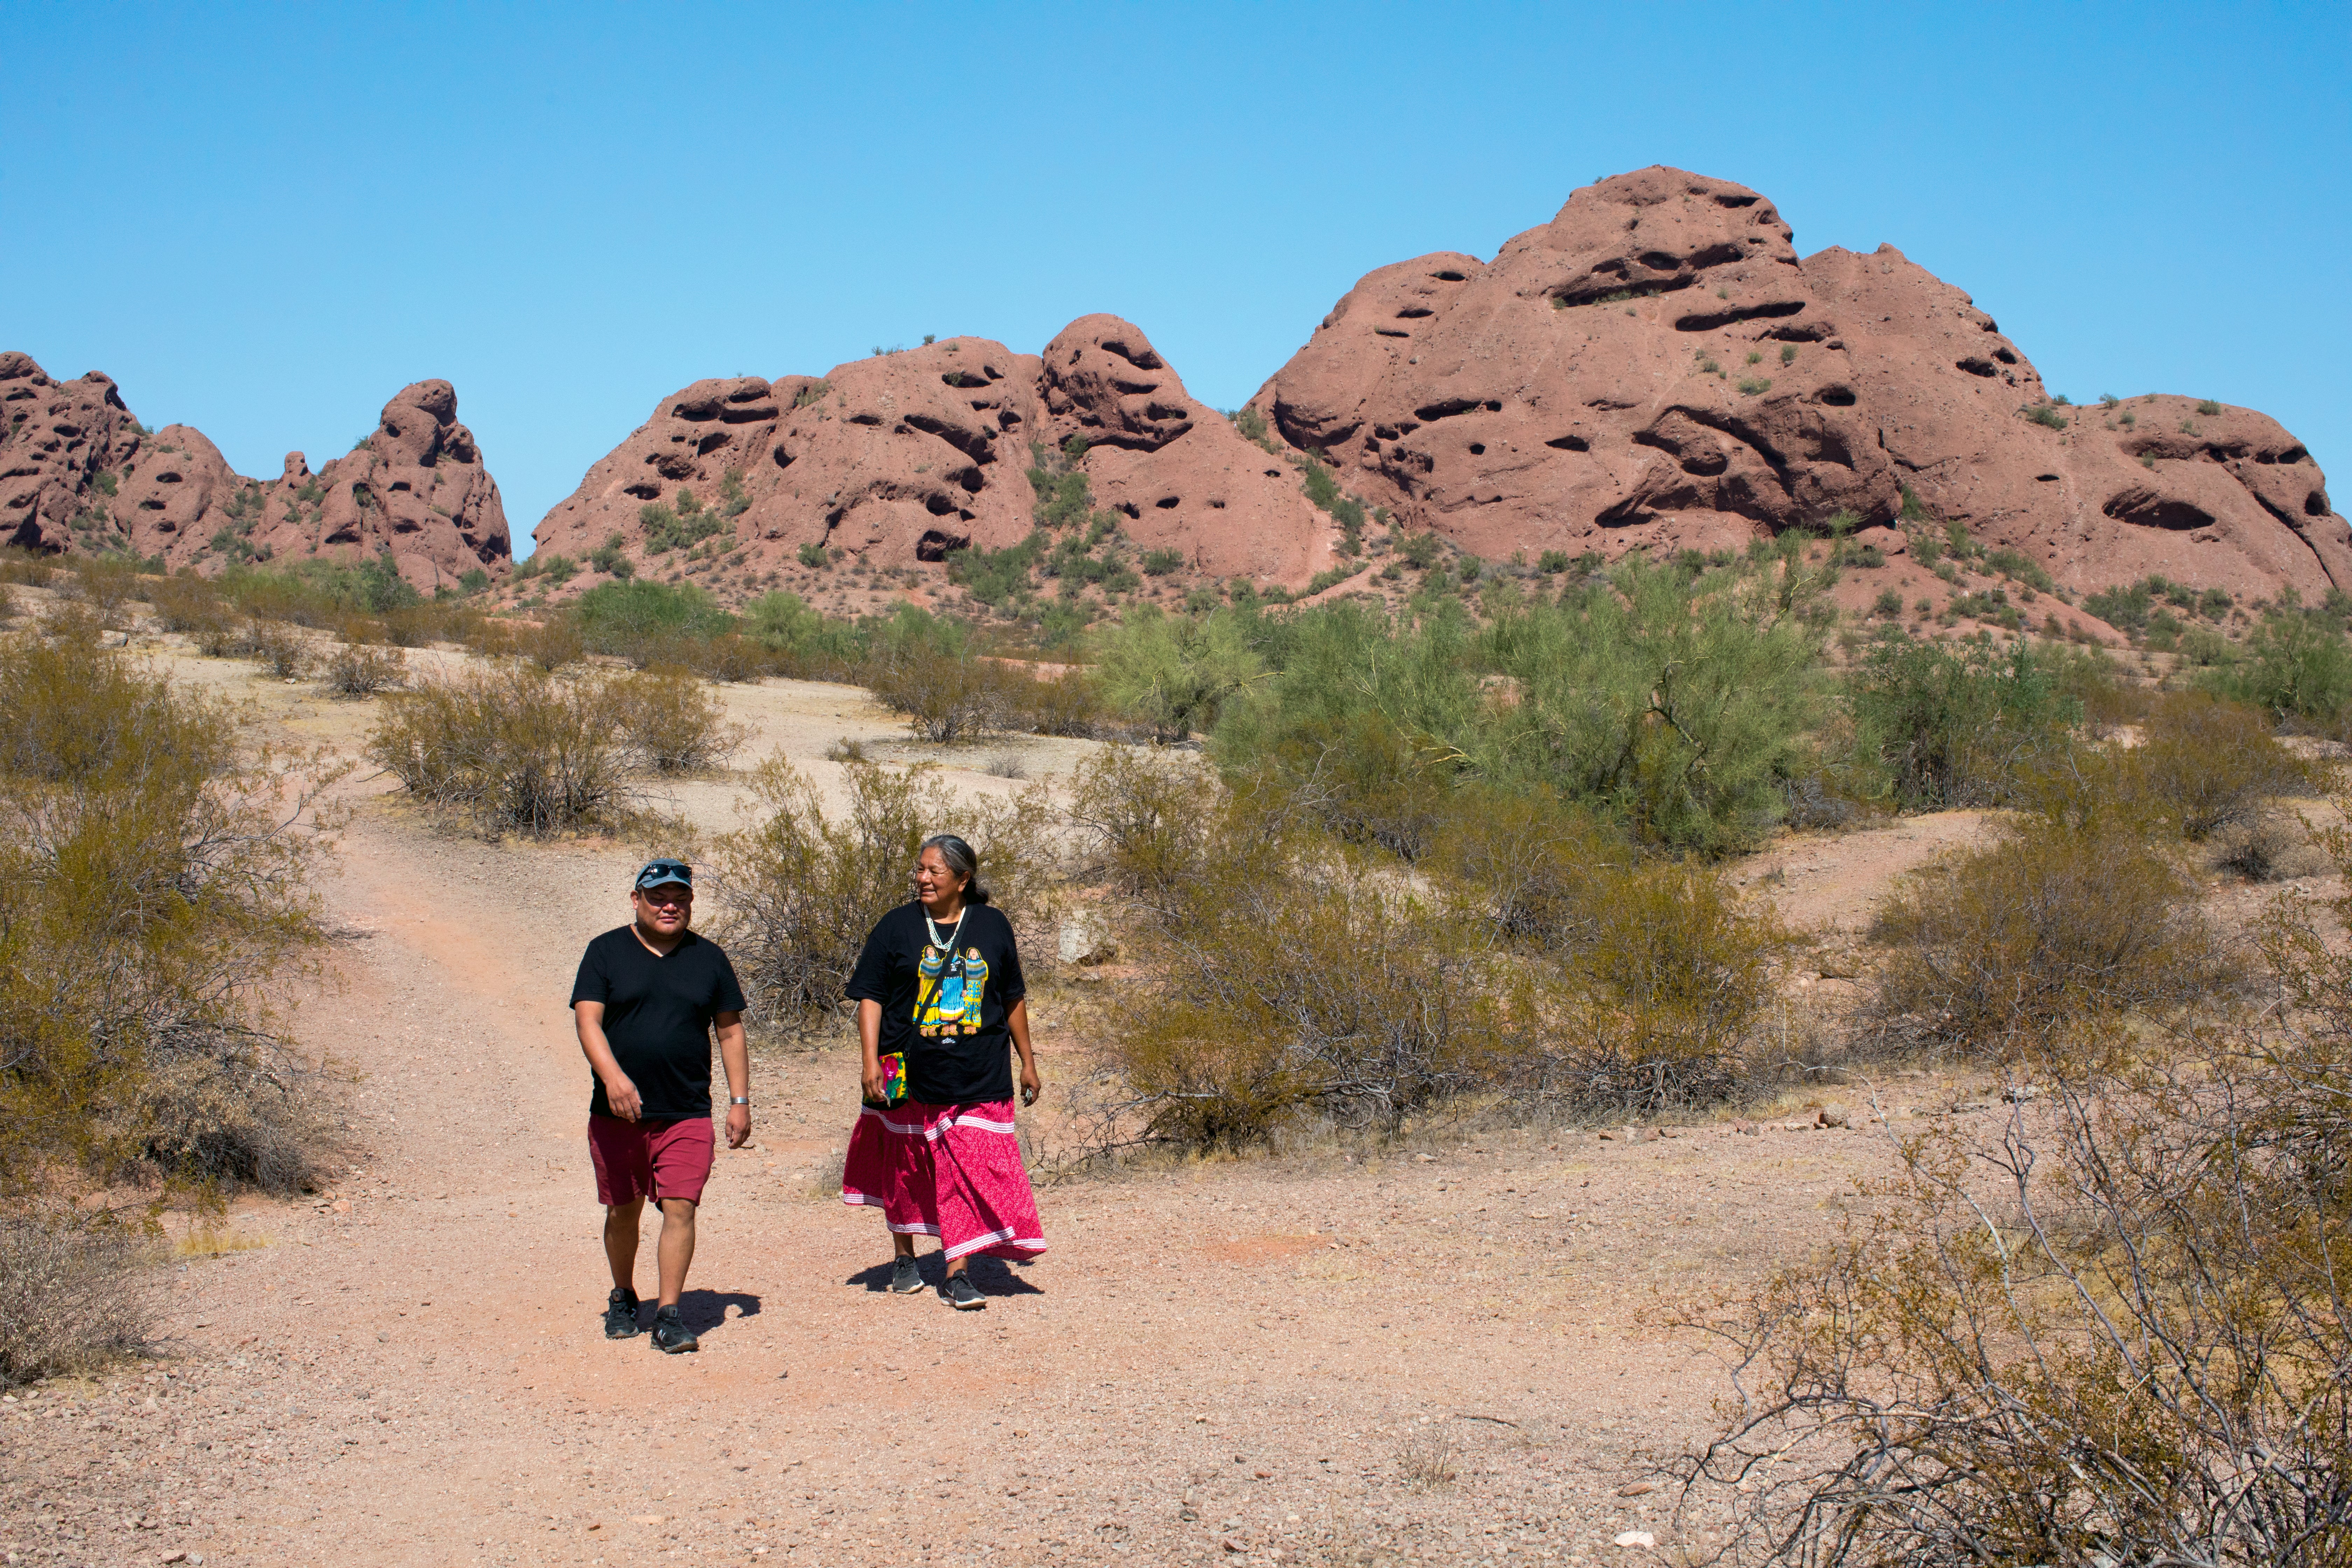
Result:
pixel 663 898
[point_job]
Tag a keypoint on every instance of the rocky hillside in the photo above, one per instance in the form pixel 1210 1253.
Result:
pixel 1657 366
pixel 907 457
pixel 78 472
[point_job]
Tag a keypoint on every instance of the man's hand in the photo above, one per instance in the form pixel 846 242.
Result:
pixel 622 1096
pixel 739 1125
pixel 1031 1087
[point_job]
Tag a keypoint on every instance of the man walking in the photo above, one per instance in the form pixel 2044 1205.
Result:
pixel 648 996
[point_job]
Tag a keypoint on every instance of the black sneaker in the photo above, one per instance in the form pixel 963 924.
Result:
pixel 904 1278
pixel 621 1314
pixel 962 1294
pixel 670 1335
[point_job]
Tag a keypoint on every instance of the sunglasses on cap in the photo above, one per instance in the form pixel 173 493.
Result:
pixel 659 873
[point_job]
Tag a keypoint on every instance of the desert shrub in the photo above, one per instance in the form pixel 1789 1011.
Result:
pixel 1160 563
pixel 2209 764
pixel 641 620
pixel 1174 672
pixel 728 657
pixel 283 651
pixel 24 568
pixel 801 891
pixel 153 880
pixel 1676 707
pixel 609 558
pixel 1232 1034
pixel 1524 865
pixel 511 747
pixel 74 1294
pixel 670 722
pixel 1146 821
pixel 1069 703
pixel 548 646
pixel 188 605
pixel 359 672
pixel 1947 726
pixel 2208 406
pixel 2296 666
pixel 2113 1333
pixel 2047 415
pixel 949 698
pixel 1668 994
pixel 2047 927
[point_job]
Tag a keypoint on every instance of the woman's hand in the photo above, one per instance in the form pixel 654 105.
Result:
pixel 876 1083
pixel 1030 1086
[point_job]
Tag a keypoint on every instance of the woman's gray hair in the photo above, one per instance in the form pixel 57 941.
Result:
pixel 962 860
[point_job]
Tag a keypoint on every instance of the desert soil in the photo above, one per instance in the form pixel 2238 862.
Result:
pixel 1453 1353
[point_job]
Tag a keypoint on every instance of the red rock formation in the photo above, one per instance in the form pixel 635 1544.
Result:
pixel 909 456
pixel 1657 366
pixel 78 472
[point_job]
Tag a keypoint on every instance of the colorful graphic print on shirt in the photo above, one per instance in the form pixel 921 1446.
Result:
pixel 948 997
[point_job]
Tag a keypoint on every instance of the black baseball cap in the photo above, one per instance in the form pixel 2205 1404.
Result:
pixel 661 873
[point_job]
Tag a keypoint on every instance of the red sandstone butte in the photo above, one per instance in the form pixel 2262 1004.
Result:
pixel 909 455
pixel 1657 366
pixel 81 474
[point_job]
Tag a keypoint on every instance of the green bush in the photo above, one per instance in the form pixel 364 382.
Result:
pixel 2208 406
pixel 1160 563
pixel 154 884
pixel 642 621
pixel 608 559
pixel 1945 726
pixel 2013 945
pixel 815 556
pixel 2295 667
pixel 513 748
pixel 669 723
pixel 1175 673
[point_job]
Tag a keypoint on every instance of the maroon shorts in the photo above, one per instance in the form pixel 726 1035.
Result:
pixel 665 1159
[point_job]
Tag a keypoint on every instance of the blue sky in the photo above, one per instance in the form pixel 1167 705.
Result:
pixel 264 220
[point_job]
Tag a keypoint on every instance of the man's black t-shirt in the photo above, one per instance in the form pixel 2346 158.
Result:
pixel 944 1005
pixel 657 1017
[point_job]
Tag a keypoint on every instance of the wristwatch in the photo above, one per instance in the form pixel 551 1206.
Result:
pixel 738 1100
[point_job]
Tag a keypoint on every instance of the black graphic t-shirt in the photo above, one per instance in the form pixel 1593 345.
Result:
pixel 657 1017
pixel 944 1005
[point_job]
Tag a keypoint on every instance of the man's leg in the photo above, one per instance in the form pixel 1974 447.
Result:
pixel 676 1247
pixel 621 1242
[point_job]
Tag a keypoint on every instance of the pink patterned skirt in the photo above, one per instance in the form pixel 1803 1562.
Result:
pixel 949 1171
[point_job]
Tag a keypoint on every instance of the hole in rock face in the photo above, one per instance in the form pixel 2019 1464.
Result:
pixel 1134 388
pixel 1447 277
pixel 1708 320
pixel 962 378
pixel 1726 199
pixel 783 460
pixel 935 544
pixel 713 441
pixel 939 505
pixel 403 485
pixel 1129 508
pixel 2316 504
pixel 2292 454
pixel 1006 420
pixel 1659 260
pixel 1390 333
pixel 643 490
pixel 865 419
pixel 1975 366
pixel 1413 313
pixel 1168 503
pixel 2045 478
pixel 1838 396
pixel 1569 444
pixel 1146 360
pixel 1162 411
pixel 1217 506
pixel 1445 408
pixel 1805 333
pixel 1494 406
pixel 167 478
pixel 2146 509
pixel 1478 448
pixel 2005 356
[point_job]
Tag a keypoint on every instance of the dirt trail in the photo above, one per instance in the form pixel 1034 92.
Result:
pixel 1259 1359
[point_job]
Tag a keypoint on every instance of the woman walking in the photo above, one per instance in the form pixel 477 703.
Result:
pixel 939 996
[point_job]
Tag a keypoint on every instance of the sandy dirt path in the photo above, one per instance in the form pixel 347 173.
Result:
pixel 1446 1355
